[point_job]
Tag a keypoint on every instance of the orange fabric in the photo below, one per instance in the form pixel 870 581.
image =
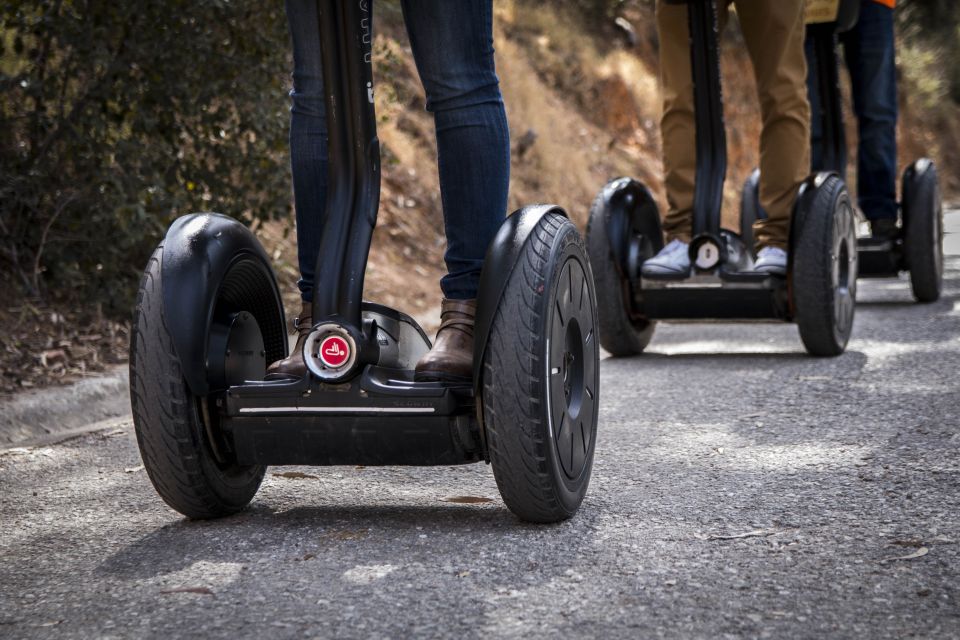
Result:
pixel 887 3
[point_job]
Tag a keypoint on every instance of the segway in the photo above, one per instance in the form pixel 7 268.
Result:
pixel 209 319
pixel 917 247
pixel 818 291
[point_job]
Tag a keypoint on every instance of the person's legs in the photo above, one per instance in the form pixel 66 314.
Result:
pixel 677 124
pixel 869 53
pixel 774 33
pixel 453 48
pixel 308 162
pixel 679 133
pixel 308 138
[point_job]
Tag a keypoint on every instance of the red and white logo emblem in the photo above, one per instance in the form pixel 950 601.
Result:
pixel 334 351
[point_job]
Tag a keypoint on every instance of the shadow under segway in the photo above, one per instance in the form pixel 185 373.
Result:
pixel 279 532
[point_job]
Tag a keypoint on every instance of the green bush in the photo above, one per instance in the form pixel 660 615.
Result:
pixel 117 116
pixel 935 24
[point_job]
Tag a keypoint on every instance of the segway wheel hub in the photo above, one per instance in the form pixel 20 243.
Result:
pixel 329 351
pixel 708 255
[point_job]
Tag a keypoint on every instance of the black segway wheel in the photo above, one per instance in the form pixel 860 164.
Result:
pixel 922 212
pixel 824 266
pixel 183 451
pixel 541 377
pixel 623 232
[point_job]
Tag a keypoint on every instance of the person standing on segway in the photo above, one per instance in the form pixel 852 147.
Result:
pixel 774 34
pixel 452 46
pixel 870 56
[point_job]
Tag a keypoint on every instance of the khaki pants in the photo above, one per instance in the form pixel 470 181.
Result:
pixel 774 32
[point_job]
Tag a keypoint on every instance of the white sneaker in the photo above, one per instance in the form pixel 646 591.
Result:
pixel 673 259
pixel 771 260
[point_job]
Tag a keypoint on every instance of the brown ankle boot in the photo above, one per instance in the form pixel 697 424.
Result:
pixel 451 358
pixel 293 365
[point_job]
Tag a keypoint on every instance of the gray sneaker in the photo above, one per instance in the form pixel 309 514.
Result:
pixel 771 260
pixel 673 259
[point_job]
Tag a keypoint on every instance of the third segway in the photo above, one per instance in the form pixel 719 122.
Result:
pixel 916 246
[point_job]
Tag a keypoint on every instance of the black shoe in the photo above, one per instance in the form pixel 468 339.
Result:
pixel 884 228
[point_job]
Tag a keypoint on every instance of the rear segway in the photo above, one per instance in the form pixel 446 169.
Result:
pixel 209 318
pixel 918 246
pixel 820 285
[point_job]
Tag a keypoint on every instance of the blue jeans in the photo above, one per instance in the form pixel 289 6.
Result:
pixel 869 52
pixel 453 49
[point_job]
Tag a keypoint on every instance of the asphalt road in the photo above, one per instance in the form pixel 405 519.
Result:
pixel 741 489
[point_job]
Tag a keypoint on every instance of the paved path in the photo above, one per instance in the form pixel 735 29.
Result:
pixel 741 489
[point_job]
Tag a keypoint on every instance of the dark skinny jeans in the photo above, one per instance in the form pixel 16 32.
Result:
pixel 453 49
pixel 868 49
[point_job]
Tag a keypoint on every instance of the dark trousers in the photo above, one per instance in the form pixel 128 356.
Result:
pixel 869 51
pixel 453 49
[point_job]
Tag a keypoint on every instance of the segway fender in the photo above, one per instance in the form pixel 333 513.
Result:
pixel 197 252
pixel 914 172
pixel 629 208
pixel 501 258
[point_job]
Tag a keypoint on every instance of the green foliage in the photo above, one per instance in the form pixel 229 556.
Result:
pixel 934 26
pixel 117 116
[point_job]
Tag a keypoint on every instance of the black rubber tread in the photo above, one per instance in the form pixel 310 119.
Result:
pixel 525 462
pixel 170 433
pixel 813 291
pixel 619 334
pixel 924 226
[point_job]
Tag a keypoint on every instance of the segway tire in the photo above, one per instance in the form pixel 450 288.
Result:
pixel 824 268
pixel 620 334
pixel 169 422
pixel 923 239
pixel 541 377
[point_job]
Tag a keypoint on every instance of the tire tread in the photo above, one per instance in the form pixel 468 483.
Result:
pixel 165 417
pixel 513 412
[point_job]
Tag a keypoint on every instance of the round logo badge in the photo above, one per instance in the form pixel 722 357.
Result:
pixel 334 351
pixel 708 255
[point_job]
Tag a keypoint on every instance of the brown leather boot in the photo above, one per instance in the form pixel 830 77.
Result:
pixel 293 365
pixel 451 358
